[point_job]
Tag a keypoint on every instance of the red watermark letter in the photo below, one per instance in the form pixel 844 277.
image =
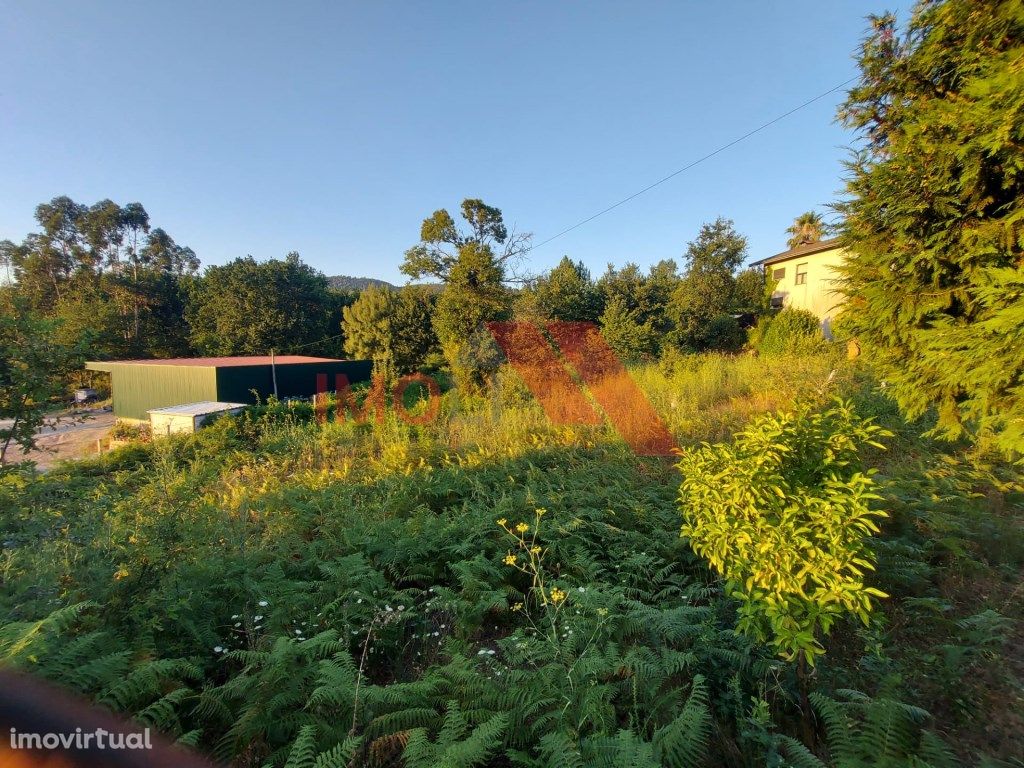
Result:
pixel 531 356
pixel 345 399
pixel 548 378
pixel 598 366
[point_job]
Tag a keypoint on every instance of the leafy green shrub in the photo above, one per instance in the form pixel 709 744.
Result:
pixel 624 333
pixel 783 514
pixel 724 334
pixel 674 361
pixel 510 391
pixel 791 331
pixel 123 430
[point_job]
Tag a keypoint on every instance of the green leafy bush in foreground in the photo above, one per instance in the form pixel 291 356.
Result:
pixel 784 513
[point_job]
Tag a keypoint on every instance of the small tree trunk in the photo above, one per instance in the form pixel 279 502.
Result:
pixel 806 712
pixel 135 296
pixel 7 442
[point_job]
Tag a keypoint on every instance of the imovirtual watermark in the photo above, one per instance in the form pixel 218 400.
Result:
pixel 567 366
pixel 98 738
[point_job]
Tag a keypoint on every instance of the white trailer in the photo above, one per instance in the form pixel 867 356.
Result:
pixel 187 418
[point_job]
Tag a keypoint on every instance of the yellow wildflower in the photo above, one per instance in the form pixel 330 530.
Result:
pixel 120 573
pixel 541 511
pixel 502 522
pixel 510 559
pixel 517 607
pixel 522 527
pixel 534 550
pixel 557 595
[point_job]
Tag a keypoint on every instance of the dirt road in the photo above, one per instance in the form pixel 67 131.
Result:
pixel 71 436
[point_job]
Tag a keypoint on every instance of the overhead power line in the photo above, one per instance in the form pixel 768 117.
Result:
pixel 708 156
pixel 315 343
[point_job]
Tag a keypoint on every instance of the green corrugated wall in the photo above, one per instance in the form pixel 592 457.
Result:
pixel 235 383
pixel 138 388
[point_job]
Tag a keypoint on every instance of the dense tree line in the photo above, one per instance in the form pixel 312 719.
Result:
pixel 247 307
pixel 105 278
pixel 698 308
pixel 108 282
pixel 932 226
pixel 104 272
pixel 469 597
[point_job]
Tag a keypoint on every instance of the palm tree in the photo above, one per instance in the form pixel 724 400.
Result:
pixel 807 228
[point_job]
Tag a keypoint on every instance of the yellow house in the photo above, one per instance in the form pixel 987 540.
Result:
pixel 805 278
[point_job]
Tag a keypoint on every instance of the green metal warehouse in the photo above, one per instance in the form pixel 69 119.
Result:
pixel 139 386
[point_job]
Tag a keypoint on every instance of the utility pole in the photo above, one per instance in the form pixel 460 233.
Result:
pixel 273 372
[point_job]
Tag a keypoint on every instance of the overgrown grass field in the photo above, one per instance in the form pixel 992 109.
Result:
pixel 274 591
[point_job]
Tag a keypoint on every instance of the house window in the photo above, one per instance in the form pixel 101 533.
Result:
pixel 779 274
pixel 801 274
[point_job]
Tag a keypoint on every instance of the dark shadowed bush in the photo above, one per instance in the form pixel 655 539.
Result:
pixel 724 334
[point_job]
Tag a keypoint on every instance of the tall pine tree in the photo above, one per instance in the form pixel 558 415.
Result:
pixel 934 220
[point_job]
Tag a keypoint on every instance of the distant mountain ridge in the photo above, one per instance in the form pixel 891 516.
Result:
pixel 348 283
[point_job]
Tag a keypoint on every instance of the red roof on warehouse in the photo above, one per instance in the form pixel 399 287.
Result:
pixel 226 362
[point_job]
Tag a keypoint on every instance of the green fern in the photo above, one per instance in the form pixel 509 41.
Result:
pixel 871 733
pixel 640 664
pixel 457 744
pixel 684 741
pixel 624 749
pixel 303 750
pixel 338 756
pixel 23 641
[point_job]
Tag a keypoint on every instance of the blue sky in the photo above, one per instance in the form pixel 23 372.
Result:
pixel 333 129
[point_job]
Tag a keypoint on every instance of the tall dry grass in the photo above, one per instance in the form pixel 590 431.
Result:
pixel 698 398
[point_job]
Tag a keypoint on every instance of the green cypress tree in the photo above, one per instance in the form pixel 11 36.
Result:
pixel 567 292
pixel 706 292
pixel 933 221
pixel 392 328
pixel 621 328
pixel 646 295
